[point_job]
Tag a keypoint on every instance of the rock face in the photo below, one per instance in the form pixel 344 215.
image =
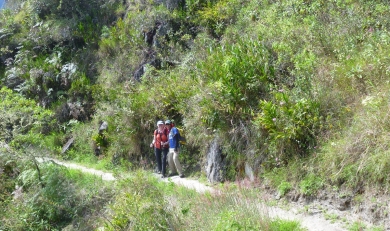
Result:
pixel 67 145
pixel 103 126
pixel 216 163
pixel 249 172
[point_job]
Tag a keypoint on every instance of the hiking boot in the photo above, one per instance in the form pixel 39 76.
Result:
pixel 163 176
pixel 181 175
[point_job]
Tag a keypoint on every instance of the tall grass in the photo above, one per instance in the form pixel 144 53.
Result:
pixel 177 208
pixel 51 197
pixel 361 153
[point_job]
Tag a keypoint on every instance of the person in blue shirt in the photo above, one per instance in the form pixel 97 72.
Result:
pixel 174 148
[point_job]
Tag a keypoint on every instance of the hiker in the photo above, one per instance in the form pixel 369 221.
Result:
pixel 160 144
pixel 174 148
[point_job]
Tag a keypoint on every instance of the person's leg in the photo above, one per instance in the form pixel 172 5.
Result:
pixel 164 161
pixel 170 161
pixel 177 163
pixel 157 153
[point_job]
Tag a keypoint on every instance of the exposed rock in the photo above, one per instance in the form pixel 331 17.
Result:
pixel 151 61
pixel 161 30
pixel 293 196
pixel 67 145
pixel 150 35
pixel 18 193
pixel 13 80
pixel 103 126
pixel 68 111
pixel 139 73
pixel 344 203
pixel 216 163
pixel 98 147
pixel 253 163
pixel 249 172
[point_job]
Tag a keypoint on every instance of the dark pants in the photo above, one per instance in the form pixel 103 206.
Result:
pixel 164 160
pixel 161 164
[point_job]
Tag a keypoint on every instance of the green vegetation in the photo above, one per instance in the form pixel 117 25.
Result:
pixel 48 196
pixel 146 204
pixel 297 90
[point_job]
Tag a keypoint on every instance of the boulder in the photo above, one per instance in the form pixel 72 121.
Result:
pixel 216 163
pixel 103 127
pixel 67 145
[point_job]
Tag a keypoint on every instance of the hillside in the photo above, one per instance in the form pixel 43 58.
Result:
pixel 292 94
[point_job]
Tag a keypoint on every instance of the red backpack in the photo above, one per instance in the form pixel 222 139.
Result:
pixel 160 134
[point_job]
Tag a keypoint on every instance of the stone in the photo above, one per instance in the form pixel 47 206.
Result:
pixel 103 126
pixel 67 145
pixel 216 164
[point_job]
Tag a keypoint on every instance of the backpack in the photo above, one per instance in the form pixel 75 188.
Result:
pixel 182 136
pixel 165 132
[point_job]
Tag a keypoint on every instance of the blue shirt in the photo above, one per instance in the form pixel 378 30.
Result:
pixel 174 138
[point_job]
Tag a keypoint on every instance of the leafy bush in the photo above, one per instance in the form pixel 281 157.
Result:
pixel 21 116
pixel 284 187
pixel 216 16
pixel 292 126
pixel 238 74
pixel 8 176
pixel 311 184
pixel 52 198
pixel 46 199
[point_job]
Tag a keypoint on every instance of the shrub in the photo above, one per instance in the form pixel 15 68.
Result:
pixel 311 184
pixel 141 207
pixel 52 198
pixel 284 187
pixel 21 116
pixel 280 225
pixel 238 74
pixel 216 16
pixel 292 126
pixel 229 220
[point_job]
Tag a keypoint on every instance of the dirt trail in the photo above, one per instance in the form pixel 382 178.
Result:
pixel 105 175
pixel 313 222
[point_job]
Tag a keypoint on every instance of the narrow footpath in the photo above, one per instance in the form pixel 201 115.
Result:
pixel 312 222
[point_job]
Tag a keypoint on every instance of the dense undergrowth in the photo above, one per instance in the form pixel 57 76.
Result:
pixel 48 196
pixel 145 203
pixel 296 89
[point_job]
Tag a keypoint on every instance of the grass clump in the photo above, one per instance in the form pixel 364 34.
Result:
pixel 140 206
pixel 279 225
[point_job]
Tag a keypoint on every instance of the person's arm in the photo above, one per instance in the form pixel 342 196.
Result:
pixel 154 140
pixel 176 137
